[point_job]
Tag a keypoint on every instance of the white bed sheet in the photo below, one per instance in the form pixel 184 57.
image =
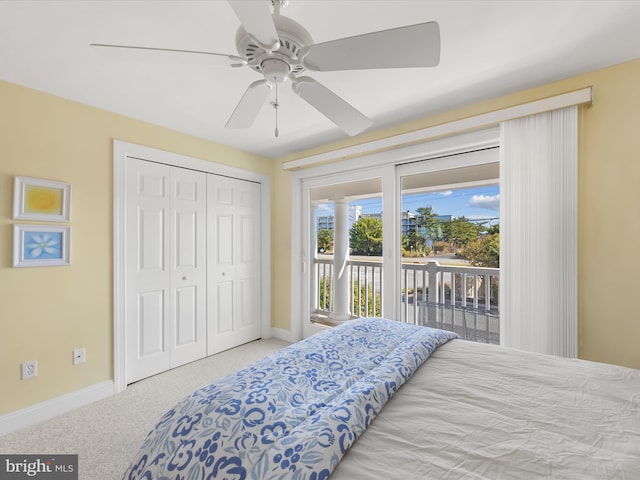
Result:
pixel 476 411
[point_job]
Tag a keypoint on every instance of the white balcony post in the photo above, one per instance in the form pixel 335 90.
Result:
pixel 314 272
pixel 340 311
pixel 432 298
pixel 432 269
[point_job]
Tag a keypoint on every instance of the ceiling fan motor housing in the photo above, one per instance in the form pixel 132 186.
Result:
pixel 293 37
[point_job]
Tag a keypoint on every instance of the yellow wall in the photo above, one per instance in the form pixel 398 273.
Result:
pixel 280 248
pixel 609 206
pixel 46 312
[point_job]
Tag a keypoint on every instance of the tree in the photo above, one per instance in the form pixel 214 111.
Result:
pixel 324 240
pixel 460 232
pixel 427 223
pixel 424 227
pixel 412 243
pixel 365 237
pixel 484 251
pixel 493 229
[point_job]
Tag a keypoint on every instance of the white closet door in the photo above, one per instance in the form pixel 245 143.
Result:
pixel 234 233
pixel 166 267
pixel 188 265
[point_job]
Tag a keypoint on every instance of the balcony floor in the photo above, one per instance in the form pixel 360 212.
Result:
pixel 470 324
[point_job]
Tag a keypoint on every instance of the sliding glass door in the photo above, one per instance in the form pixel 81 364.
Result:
pixel 449 225
pixel 369 238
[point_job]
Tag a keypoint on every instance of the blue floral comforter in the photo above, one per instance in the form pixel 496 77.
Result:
pixel 292 414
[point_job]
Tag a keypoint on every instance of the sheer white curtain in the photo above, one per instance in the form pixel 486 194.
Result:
pixel 538 255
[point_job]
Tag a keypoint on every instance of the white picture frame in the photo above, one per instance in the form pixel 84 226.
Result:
pixel 41 245
pixel 41 200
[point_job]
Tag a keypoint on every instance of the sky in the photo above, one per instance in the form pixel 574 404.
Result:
pixel 476 203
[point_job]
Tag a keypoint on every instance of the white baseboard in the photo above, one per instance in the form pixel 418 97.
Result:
pixel 286 335
pixel 56 406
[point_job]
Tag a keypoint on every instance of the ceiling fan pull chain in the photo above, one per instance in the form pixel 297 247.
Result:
pixel 275 106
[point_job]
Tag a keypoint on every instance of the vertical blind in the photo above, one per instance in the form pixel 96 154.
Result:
pixel 538 189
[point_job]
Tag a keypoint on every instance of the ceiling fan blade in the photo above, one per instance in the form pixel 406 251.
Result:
pixel 255 17
pixel 250 104
pixel 403 47
pixel 167 55
pixel 330 105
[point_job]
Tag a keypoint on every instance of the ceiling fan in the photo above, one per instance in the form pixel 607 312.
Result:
pixel 280 49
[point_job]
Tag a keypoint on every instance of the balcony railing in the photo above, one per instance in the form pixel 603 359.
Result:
pixel 464 299
pixel 365 278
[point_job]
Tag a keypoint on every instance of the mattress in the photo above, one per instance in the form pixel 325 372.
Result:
pixel 477 411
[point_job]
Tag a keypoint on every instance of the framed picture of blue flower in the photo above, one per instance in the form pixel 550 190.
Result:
pixel 41 245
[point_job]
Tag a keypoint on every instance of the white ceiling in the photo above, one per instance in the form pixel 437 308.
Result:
pixel 489 48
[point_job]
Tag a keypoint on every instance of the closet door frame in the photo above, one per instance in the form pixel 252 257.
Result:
pixel 121 152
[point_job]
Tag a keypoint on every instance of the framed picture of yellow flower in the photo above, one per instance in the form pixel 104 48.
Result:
pixel 39 199
pixel 41 245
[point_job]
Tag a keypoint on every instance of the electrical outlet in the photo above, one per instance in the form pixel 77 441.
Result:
pixel 29 369
pixel 79 356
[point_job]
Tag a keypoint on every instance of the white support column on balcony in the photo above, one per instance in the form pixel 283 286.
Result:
pixel 313 277
pixel 340 311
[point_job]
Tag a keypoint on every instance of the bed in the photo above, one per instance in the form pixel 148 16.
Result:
pixel 376 398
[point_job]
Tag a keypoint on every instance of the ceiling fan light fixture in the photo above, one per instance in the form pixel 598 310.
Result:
pixel 275 70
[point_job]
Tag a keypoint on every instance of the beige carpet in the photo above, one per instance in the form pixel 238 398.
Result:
pixel 107 434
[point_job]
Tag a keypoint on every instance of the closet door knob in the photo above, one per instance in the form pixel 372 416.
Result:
pixel 184 278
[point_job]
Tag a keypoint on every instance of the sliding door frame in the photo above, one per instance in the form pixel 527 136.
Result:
pixel 383 165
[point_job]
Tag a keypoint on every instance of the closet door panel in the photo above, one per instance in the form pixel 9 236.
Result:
pixel 151 233
pixel 223 239
pixel 247 260
pixel 166 267
pixel 186 235
pixel 150 323
pixel 224 308
pixel 186 311
pixel 189 268
pixel 148 320
pixel 234 267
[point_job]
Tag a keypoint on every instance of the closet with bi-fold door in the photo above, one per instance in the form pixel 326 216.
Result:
pixel 193 265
